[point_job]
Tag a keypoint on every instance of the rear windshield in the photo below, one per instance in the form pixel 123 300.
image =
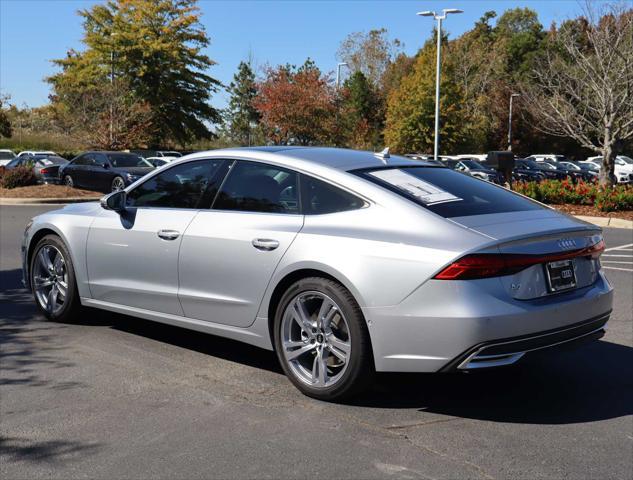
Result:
pixel 122 160
pixel 449 193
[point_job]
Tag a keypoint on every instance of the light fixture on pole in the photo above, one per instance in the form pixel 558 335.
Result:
pixel 338 73
pixel 510 121
pixel 439 19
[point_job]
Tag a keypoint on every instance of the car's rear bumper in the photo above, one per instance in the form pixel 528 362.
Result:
pixel 510 350
pixel 437 327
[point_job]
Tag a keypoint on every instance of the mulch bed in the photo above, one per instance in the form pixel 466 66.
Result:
pixel 591 211
pixel 47 191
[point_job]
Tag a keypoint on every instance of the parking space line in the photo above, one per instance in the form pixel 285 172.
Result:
pixel 610 255
pixel 621 247
pixel 618 268
pixel 618 262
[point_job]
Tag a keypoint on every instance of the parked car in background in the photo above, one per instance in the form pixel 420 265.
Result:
pixel 539 157
pixel 160 161
pixel 32 153
pixel 572 171
pixel 475 169
pixel 104 171
pixel 155 153
pixel 168 153
pixel 6 156
pixel 480 157
pixel 45 167
pixel 343 262
pixel 548 171
pixel 623 167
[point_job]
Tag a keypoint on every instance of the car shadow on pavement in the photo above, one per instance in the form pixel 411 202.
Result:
pixel 591 383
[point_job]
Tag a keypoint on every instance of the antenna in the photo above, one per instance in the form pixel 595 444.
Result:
pixel 384 155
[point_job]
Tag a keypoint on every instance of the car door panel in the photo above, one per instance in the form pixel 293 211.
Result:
pixel 226 261
pixel 130 263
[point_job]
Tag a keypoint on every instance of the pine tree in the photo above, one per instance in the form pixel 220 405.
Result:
pixel 241 114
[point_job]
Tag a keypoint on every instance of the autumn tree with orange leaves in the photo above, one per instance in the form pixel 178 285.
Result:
pixel 296 105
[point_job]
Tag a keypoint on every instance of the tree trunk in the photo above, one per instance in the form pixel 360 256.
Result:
pixel 608 160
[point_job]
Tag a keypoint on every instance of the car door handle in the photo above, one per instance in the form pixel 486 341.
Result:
pixel 168 234
pixel 265 244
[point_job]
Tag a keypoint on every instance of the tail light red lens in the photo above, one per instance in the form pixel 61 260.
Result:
pixel 486 265
pixel 45 171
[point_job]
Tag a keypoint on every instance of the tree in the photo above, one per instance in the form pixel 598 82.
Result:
pixel 5 123
pixel 370 53
pixel 582 86
pixel 106 116
pixel 241 113
pixel 154 47
pixel 361 112
pixel 411 108
pixel 296 105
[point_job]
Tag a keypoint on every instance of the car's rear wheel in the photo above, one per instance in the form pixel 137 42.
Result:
pixel 322 341
pixel 118 184
pixel 52 278
pixel 68 181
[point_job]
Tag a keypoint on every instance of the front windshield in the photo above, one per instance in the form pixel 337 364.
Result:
pixel 570 166
pixel 6 156
pixel 545 166
pixel 625 159
pixel 123 160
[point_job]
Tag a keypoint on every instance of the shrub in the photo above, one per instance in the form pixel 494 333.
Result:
pixel 555 192
pixel 18 177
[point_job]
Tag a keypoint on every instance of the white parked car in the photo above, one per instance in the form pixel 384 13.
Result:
pixel 6 156
pixel 160 161
pixel 480 157
pixel 541 157
pixel 32 153
pixel 623 170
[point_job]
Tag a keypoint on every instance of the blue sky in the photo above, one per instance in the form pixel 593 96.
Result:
pixel 32 32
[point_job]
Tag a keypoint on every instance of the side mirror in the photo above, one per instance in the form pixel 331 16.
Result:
pixel 114 201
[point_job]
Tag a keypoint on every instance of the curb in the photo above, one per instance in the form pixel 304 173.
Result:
pixel 46 201
pixel 607 221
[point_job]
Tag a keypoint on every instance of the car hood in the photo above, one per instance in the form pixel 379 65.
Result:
pixel 139 171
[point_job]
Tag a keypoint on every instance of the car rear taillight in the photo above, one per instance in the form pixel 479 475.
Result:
pixel 486 265
pixel 45 170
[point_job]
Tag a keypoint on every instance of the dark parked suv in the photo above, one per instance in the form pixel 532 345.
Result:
pixel 104 171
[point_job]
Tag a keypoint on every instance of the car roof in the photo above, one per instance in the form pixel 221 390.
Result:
pixel 338 158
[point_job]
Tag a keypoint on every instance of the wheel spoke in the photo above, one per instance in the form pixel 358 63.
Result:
pixel 340 345
pixel 44 259
pixel 51 300
pixel 62 288
pixel 319 368
pixel 326 313
pixel 40 282
pixel 301 316
pixel 293 354
pixel 58 264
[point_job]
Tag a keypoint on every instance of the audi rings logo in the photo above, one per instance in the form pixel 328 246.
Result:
pixel 567 243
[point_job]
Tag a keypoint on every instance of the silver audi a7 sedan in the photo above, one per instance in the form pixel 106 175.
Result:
pixel 343 262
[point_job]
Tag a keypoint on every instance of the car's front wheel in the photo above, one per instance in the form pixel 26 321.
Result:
pixel 68 181
pixel 52 278
pixel 322 341
pixel 118 184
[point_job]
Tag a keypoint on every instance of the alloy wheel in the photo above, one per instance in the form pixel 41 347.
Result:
pixel 118 184
pixel 315 339
pixel 68 181
pixel 50 279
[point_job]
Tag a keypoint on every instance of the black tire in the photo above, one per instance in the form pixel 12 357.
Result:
pixel 360 368
pixel 68 181
pixel 71 305
pixel 117 184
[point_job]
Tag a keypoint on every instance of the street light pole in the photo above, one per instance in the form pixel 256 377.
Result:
pixel 112 92
pixel 510 121
pixel 338 73
pixel 439 19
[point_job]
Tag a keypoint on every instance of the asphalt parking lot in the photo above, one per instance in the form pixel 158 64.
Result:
pixel 118 397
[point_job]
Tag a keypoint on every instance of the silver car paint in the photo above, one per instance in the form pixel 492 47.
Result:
pixel 384 254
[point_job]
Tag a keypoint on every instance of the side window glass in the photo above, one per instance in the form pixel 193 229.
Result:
pixel 99 159
pixel 320 197
pixel 258 187
pixel 190 185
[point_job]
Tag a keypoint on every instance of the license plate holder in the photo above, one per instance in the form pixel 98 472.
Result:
pixel 561 275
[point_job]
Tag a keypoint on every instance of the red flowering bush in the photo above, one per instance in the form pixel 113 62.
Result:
pixel 555 192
